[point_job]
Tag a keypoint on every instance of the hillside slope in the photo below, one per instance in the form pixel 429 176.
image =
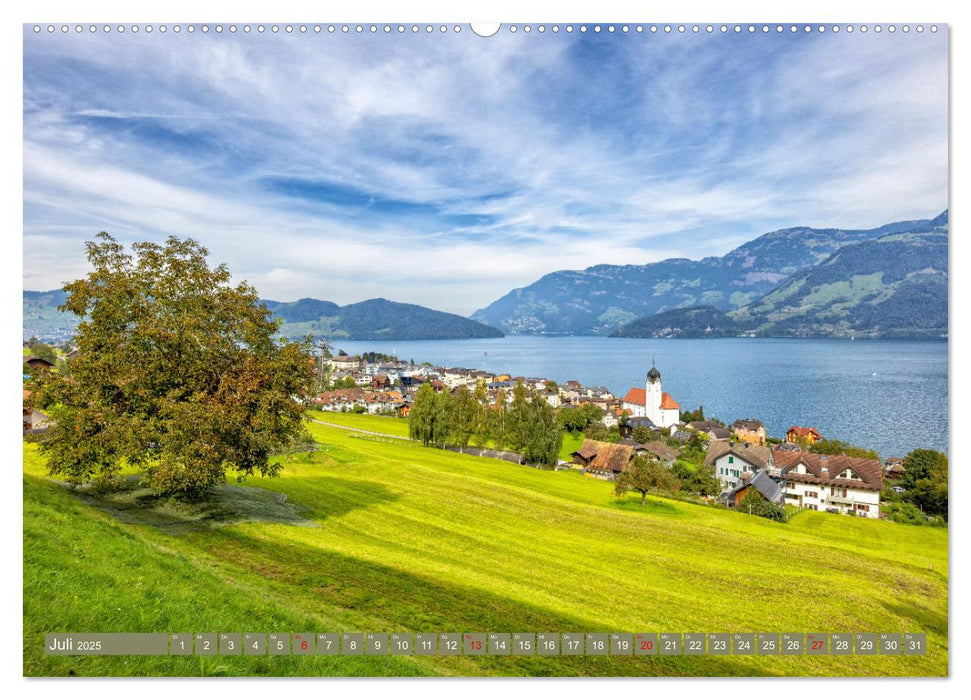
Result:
pixel 601 299
pixel 892 287
pixel 405 538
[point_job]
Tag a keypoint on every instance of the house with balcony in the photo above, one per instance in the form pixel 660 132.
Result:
pixel 834 483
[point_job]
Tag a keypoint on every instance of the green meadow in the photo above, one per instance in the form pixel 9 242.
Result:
pixel 382 535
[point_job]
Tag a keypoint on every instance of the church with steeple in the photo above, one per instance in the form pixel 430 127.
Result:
pixel 652 403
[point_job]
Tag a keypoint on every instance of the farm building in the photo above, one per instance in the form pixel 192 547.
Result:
pixel 604 460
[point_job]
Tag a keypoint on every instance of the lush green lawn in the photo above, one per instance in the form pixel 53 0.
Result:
pixel 362 421
pixel 571 443
pixel 397 537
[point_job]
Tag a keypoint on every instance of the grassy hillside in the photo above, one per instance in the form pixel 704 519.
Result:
pixel 376 424
pixel 391 536
pixel 893 287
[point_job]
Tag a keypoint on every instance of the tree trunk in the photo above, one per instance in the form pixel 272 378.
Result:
pixel 643 497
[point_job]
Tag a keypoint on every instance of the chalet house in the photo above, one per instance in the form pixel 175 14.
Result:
pixel 33 364
pixel 380 381
pixel 750 430
pixel 835 483
pixel 653 403
pixel 893 468
pixel 666 454
pixel 339 400
pixel 798 435
pixel 732 459
pixel 348 399
pixel 763 484
pixel 713 429
pixel 603 460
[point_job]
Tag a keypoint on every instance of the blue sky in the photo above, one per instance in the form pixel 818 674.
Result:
pixel 445 170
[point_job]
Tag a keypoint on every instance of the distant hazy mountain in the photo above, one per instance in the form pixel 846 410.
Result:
pixel 892 287
pixel 601 299
pixel 375 319
pixel 693 322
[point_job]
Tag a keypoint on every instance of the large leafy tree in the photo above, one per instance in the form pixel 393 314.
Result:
pixel 180 373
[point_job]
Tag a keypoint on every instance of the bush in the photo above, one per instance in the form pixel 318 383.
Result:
pixel 755 504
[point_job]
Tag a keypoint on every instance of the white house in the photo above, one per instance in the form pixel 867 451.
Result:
pixel 651 402
pixel 733 459
pixel 834 483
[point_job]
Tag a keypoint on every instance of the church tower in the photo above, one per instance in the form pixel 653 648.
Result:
pixel 653 396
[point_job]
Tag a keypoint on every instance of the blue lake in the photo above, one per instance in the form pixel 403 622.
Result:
pixel 887 395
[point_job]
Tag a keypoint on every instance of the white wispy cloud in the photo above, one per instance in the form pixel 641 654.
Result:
pixel 446 170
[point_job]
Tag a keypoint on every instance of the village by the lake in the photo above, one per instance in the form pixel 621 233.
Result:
pixel 800 469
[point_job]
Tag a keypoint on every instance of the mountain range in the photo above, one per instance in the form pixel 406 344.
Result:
pixel 889 281
pixel 374 319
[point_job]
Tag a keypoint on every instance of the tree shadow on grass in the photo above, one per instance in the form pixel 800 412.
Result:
pixel 393 600
pixel 924 618
pixel 134 503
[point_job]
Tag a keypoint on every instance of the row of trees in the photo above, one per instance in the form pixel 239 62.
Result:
pixel 528 425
